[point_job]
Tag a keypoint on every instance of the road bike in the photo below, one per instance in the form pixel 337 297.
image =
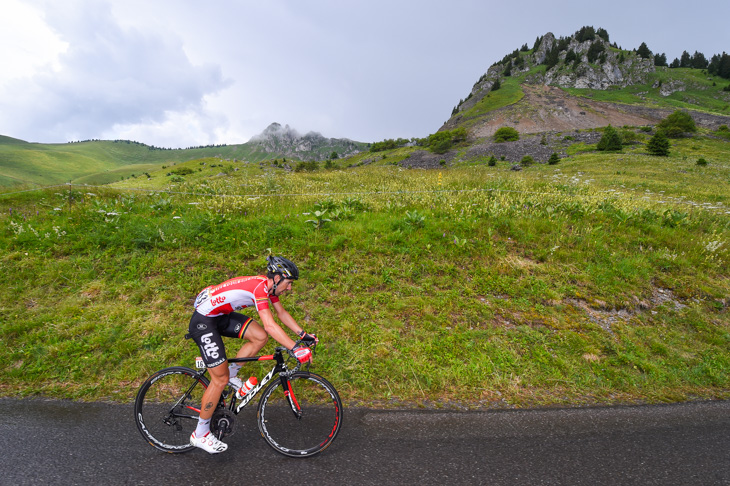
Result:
pixel 299 414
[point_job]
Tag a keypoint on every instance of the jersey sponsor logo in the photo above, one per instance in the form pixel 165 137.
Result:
pixel 218 300
pixel 210 348
pixel 202 327
pixel 238 328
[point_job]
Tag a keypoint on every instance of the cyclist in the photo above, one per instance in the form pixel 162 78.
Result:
pixel 215 316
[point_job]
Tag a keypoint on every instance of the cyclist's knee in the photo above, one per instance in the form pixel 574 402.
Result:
pixel 260 340
pixel 257 336
pixel 219 375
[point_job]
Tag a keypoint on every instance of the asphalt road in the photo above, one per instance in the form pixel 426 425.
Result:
pixel 66 443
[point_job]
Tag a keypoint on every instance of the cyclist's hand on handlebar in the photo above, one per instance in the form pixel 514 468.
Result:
pixel 302 353
pixel 308 339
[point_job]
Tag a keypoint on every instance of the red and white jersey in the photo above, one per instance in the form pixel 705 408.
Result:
pixel 234 294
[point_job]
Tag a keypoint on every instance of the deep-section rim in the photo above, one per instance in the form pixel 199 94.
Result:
pixel 139 401
pixel 313 450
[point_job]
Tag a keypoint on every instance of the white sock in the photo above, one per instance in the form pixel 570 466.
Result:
pixel 233 369
pixel 203 427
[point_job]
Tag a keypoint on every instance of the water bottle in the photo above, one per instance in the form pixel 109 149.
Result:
pixel 250 383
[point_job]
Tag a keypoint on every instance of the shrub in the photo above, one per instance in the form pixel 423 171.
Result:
pixel 629 136
pixel 183 171
pixel 527 161
pixel 492 161
pixel 306 166
pixel 441 142
pixel 554 159
pixel 610 141
pixel 496 85
pixel 659 144
pixel 506 134
pixel 678 123
pixel 701 161
pixel 388 144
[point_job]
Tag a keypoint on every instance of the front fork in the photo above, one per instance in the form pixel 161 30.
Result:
pixel 291 396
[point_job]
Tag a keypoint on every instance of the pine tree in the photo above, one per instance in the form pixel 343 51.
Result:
pixel 659 144
pixel 537 43
pixel 699 61
pixel 686 60
pixel 553 57
pixel 610 141
pixel 554 159
pixel 644 51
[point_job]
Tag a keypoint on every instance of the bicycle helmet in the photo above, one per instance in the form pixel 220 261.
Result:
pixel 281 266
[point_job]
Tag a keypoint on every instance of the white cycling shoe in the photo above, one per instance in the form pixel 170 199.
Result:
pixel 235 382
pixel 209 443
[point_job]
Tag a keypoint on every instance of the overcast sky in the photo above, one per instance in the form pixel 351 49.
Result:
pixel 180 73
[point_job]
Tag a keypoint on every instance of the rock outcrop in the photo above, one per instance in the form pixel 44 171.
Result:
pixel 592 64
pixel 286 141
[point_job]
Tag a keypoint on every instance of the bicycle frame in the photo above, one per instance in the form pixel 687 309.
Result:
pixel 279 368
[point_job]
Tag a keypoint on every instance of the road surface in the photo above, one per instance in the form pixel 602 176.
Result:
pixel 67 443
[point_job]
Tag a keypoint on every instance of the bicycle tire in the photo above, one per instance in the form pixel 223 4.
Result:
pixel 320 421
pixel 166 408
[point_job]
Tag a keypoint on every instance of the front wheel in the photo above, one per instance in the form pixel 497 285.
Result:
pixel 166 409
pixel 308 423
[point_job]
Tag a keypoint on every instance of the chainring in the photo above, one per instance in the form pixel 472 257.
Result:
pixel 222 421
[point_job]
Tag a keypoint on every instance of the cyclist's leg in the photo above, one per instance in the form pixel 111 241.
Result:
pixel 204 331
pixel 244 327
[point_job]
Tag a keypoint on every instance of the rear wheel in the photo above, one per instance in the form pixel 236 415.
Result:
pixel 166 409
pixel 308 424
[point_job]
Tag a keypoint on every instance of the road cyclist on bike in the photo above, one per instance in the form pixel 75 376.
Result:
pixel 215 316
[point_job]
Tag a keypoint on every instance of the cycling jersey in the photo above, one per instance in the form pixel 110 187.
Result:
pixel 234 294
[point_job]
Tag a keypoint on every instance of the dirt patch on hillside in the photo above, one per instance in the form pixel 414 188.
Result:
pixel 550 109
pixel 547 108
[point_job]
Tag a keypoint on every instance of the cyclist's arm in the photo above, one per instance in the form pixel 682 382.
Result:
pixel 273 329
pixel 287 319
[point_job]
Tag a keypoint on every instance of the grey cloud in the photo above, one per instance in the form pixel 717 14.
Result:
pixel 110 76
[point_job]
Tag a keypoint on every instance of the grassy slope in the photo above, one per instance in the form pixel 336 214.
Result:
pixel 699 93
pixel 601 280
pixel 99 162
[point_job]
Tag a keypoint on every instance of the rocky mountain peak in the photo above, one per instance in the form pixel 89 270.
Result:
pixel 284 140
pixel 584 60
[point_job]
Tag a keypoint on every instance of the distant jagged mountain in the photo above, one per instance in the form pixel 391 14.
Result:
pixel 286 141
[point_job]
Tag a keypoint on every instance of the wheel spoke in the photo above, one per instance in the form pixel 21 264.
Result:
pixel 313 425
pixel 166 408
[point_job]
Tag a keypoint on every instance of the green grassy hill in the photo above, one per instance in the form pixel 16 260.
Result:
pixel 24 164
pixel 599 280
